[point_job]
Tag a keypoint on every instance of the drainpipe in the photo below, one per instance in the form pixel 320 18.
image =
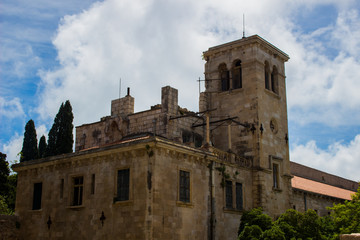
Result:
pixel 212 202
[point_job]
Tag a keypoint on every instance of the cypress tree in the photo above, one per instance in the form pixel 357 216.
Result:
pixel 66 139
pixel 42 146
pixel 60 138
pixel 29 150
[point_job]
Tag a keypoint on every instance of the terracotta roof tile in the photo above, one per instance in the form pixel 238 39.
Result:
pixel 320 188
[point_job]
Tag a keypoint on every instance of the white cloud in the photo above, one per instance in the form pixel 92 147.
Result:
pixel 13 148
pixel 11 108
pixel 339 158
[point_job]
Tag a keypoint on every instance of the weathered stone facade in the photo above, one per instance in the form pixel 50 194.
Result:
pixel 169 173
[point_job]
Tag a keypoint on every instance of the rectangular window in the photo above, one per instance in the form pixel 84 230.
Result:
pixel 229 194
pixel 184 186
pixel 275 175
pixel 61 188
pixel 93 184
pixel 233 192
pixel 78 188
pixel 37 196
pixel 123 184
pixel 239 196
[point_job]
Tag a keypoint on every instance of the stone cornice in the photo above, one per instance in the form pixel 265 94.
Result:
pixel 241 43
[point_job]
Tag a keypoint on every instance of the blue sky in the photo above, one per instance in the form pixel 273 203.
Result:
pixel 78 50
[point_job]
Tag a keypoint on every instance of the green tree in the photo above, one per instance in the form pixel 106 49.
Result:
pixel 274 233
pixel 4 209
pixel 4 173
pixel 42 146
pixel 60 138
pixel 255 217
pixel 7 187
pixel 11 196
pixel 252 232
pixel 29 150
pixel 346 216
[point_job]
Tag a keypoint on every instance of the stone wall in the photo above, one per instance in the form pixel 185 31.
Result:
pixel 353 236
pixel 9 227
pixel 323 177
pixel 164 120
pixel 303 201
pixel 153 210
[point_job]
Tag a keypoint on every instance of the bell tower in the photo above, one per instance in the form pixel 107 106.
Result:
pixel 245 83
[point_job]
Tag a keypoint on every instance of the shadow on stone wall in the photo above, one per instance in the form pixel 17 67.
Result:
pixel 9 227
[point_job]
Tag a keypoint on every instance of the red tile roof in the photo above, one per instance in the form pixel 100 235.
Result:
pixel 320 188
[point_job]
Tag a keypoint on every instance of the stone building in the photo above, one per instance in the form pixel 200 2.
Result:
pixel 169 173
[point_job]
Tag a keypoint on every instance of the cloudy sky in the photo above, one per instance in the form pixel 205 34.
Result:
pixel 51 51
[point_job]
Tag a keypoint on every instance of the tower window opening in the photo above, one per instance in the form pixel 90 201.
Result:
pixel 267 73
pixel 237 75
pixel 274 80
pixel 224 77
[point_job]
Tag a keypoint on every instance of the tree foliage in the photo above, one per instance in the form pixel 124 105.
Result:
pixel 42 147
pixel 4 174
pixel 294 225
pixel 29 150
pixel 346 216
pixel 60 138
pixel 7 187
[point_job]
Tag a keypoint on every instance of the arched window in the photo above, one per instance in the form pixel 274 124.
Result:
pixel 274 80
pixel 224 77
pixel 267 73
pixel 237 75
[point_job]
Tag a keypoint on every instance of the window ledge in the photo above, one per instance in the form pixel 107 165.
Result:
pixel 184 204
pixel 36 210
pixel 271 93
pixel 76 207
pixel 232 211
pixel 123 203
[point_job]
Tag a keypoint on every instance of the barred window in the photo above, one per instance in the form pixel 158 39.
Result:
pixel 239 196
pixel 234 195
pixel 123 184
pixel 184 186
pixel 229 194
pixel 78 187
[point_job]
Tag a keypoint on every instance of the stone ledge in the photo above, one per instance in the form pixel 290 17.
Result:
pixel 352 236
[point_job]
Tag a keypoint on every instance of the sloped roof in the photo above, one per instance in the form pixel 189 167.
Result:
pixel 320 188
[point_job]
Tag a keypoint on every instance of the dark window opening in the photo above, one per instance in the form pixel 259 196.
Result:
pixel 237 75
pixel 229 195
pixel 184 187
pixel 123 185
pixel 93 184
pixel 37 196
pixel 61 188
pixel 78 191
pixel 275 176
pixel 198 140
pixel 224 77
pixel 267 72
pixel 186 136
pixel 239 196
pixel 274 80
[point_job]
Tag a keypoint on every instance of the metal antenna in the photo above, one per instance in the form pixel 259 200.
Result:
pixel 243 25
